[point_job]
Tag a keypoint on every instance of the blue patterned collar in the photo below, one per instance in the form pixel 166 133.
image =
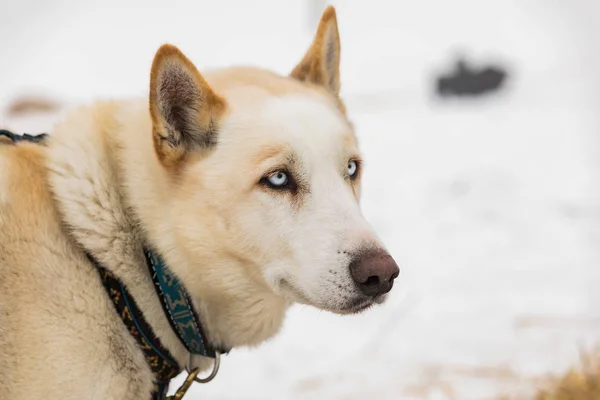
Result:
pixel 178 306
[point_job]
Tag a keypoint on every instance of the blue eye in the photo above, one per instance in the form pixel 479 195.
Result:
pixel 352 168
pixel 278 179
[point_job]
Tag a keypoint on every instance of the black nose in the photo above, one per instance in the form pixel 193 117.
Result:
pixel 374 272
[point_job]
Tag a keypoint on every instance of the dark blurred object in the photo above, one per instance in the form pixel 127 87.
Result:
pixel 468 81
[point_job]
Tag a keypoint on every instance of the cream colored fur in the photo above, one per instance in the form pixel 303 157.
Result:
pixel 245 252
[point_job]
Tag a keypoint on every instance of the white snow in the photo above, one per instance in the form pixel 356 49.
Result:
pixel 490 206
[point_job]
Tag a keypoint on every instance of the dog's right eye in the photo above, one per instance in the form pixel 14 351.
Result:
pixel 277 180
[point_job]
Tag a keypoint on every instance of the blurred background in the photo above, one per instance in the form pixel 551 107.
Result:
pixel 479 122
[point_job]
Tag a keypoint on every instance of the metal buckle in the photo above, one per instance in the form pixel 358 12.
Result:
pixel 193 377
pixel 212 374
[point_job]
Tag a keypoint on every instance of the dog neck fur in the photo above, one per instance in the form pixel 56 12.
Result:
pixel 108 183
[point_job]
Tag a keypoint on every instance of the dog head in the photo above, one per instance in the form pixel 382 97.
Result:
pixel 265 177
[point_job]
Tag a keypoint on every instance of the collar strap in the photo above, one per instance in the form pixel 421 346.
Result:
pixel 178 306
pixel 15 138
pixel 161 362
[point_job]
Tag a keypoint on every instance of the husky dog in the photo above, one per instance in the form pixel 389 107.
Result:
pixel 246 183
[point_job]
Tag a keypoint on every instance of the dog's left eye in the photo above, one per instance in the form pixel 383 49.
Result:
pixel 352 168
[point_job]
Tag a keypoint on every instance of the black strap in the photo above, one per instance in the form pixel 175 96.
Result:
pixel 161 362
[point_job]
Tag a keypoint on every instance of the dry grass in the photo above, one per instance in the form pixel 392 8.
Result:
pixel 580 383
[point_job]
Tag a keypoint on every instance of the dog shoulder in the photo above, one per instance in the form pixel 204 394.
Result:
pixel 25 216
pixel 23 188
pixel 28 216
pixel 41 287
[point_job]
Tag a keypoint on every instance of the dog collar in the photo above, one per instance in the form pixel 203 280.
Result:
pixel 177 306
pixel 24 137
pixel 181 314
pixel 161 362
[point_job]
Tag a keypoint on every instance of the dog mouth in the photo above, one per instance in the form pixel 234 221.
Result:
pixel 361 304
pixel 354 306
pixel 357 306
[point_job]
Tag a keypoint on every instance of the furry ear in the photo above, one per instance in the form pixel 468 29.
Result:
pixel 184 109
pixel 321 63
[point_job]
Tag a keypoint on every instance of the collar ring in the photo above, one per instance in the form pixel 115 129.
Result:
pixel 214 371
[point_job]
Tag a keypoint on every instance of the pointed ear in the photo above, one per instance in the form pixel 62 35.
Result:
pixel 184 109
pixel 321 63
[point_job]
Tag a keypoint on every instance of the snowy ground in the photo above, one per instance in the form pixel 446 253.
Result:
pixel 490 207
